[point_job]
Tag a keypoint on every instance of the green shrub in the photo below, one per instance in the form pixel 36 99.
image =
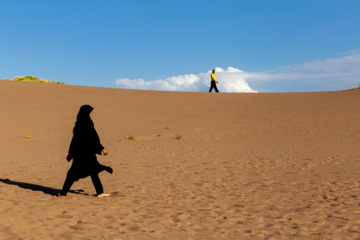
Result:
pixel 32 79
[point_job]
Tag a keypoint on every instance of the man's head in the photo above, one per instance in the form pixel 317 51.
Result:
pixel 213 71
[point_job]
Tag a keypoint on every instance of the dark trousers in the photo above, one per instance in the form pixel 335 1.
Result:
pixel 213 86
pixel 95 179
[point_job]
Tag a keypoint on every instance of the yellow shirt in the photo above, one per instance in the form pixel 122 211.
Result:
pixel 213 78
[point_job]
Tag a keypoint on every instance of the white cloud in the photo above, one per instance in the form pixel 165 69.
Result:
pixel 328 74
pixel 229 81
pixel 320 75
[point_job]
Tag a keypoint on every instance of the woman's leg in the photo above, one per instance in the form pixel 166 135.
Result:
pixel 97 183
pixel 67 185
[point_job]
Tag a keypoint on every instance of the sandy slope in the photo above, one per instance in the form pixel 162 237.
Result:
pixel 248 166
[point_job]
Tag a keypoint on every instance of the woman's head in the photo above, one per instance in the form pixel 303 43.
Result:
pixel 84 112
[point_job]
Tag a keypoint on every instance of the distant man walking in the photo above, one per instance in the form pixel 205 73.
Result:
pixel 213 82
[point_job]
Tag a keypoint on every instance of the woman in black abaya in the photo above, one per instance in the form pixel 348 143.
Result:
pixel 84 146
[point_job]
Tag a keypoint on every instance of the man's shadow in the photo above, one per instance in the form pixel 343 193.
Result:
pixel 35 187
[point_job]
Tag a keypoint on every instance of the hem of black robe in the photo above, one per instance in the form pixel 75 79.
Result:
pixel 77 176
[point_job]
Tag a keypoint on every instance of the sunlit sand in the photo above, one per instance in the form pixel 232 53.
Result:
pixel 247 165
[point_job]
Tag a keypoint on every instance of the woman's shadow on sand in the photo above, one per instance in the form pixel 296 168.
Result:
pixel 35 187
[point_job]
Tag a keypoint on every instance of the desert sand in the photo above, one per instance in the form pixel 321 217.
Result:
pixel 246 166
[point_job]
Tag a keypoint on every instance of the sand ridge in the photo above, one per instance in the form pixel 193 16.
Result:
pixel 248 166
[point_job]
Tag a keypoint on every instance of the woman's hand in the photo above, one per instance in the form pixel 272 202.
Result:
pixel 69 157
pixel 105 151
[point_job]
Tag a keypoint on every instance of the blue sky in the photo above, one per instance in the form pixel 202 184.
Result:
pixel 263 45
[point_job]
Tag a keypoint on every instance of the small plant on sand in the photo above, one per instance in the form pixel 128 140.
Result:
pixel 167 128
pixel 159 135
pixel 28 136
pixel 132 138
pixel 179 136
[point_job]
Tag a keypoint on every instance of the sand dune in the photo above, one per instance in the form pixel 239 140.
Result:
pixel 247 166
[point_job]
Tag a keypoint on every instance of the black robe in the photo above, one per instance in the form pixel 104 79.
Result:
pixel 84 146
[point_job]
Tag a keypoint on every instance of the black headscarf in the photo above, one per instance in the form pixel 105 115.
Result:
pixel 84 115
pixel 84 112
